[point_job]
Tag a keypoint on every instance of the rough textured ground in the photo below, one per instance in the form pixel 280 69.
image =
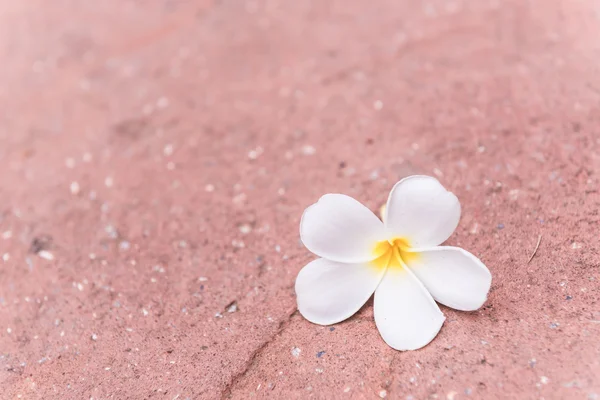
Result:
pixel 156 157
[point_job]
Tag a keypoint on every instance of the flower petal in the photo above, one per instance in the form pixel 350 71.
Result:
pixel 341 229
pixel 421 211
pixel 453 276
pixel 405 314
pixel 330 292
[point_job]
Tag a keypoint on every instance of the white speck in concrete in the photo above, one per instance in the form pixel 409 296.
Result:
pixel 240 198
pixel 383 394
pixel 168 150
pixel 46 255
pixel 75 189
pixel 296 352
pixel 232 308
pixel 532 362
pixel 245 228
pixel 308 150
pixel 238 244
pixel 254 154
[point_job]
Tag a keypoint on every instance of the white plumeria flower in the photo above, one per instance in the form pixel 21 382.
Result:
pixel 399 260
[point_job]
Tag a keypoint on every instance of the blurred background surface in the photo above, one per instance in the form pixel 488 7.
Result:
pixel 156 157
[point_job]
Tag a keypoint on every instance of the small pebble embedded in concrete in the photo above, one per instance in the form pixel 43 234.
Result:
pixel 532 362
pixel 296 352
pixel 232 308
pixel 46 255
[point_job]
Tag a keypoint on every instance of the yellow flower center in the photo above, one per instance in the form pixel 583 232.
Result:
pixel 392 254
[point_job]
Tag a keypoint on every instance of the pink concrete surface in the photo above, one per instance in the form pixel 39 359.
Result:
pixel 157 156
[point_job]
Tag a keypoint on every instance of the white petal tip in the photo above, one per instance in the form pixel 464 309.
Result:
pixel 410 344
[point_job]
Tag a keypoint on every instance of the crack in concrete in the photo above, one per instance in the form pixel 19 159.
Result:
pixel 283 324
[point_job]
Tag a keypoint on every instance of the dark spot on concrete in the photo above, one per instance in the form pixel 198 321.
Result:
pixel 40 243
